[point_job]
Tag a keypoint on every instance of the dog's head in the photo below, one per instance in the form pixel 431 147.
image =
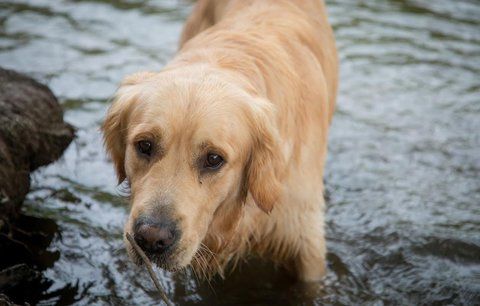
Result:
pixel 189 146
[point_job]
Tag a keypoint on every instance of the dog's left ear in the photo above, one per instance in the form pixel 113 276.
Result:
pixel 266 163
pixel 114 127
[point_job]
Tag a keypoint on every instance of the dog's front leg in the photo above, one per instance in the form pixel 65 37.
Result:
pixel 310 262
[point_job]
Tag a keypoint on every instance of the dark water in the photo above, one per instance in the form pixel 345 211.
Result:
pixel 403 173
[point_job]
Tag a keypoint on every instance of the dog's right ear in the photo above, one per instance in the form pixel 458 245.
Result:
pixel 115 126
pixel 264 171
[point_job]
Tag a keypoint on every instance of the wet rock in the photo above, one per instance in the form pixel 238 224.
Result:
pixel 26 242
pixel 32 134
pixel 24 255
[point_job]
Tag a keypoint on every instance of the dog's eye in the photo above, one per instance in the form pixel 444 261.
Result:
pixel 213 161
pixel 144 147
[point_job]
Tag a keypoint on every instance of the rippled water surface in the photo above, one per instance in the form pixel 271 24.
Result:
pixel 403 185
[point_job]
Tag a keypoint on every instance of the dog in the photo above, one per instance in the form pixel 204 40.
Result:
pixel 224 149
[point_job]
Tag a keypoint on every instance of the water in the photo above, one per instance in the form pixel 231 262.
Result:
pixel 402 178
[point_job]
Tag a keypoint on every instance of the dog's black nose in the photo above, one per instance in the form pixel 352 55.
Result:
pixel 154 237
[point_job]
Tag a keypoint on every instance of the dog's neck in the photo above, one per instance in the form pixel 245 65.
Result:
pixel 237 229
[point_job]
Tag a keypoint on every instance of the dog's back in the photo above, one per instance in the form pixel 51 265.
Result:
pixel 286 46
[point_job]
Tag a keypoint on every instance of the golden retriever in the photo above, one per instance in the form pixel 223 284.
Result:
pixel 224 149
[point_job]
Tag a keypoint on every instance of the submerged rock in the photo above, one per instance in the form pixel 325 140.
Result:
pixel 32 134
pixel 5 301
pixel 13 275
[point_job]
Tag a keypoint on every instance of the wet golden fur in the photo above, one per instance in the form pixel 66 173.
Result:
pixel 255 80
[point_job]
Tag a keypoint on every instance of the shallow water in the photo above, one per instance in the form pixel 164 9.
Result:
pixel 402 179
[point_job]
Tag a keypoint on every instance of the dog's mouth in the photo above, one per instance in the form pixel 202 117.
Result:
pixel 167 260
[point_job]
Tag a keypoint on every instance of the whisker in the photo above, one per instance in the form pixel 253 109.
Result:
pixel 212 256
pixel 204 266
pixel 193 270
